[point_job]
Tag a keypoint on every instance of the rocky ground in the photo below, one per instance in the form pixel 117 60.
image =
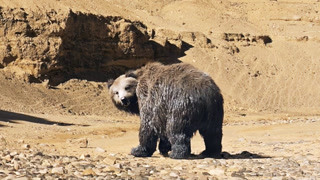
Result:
pixel 30 164
pixel 252 150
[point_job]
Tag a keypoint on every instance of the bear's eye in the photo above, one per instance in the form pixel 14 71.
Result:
pixel 116 92
pixel 127 87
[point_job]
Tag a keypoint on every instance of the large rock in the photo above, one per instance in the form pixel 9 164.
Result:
pixel 61 45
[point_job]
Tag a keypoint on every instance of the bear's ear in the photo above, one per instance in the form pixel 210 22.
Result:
pixel 132 74
pixel 109 83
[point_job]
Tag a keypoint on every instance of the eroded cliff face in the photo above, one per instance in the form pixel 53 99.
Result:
pixel 61 45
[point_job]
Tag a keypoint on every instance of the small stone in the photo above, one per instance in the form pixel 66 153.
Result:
pixel 99 158
pixel 78 174
pixel 43 171
pixel 16 165
pixel 216 172
pixel 83 142
pixel 296 18
pixel 163 172
pixel 110 160
pixel 100 150
pixel 25 146
pixel 84 156
pixel 57 170
pixel 89 172
pixel 178 168
pixel 238 175
pixel 234 168
pixel 111 169
pixel 119 166
pixel 173 174
pixel 22 156
pixel 202 166
pixel 130 173
pixel 46 163
pixel 8 158
pixel 129 156
pixel 13 153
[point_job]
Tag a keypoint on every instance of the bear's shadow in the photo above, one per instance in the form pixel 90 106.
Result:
pixel 226 155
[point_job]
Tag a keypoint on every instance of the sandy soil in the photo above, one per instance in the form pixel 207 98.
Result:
pixel 270 84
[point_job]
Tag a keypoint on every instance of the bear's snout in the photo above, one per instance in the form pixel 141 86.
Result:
pixel 125 101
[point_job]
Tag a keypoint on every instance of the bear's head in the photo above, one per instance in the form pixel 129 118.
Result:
pixel 123 92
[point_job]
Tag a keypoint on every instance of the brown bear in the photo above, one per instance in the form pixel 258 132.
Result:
pixel 173 101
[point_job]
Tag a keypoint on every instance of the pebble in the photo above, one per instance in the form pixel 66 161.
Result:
pixel 57 170
pixel 89 172
pixel 16 165
pixel 110 160
pixel 43 171
pixel 216 172
pixel 84 156
pixel 173 174
pixel 100 150
pixel 25 146
pixel 83 142
pixel 13 153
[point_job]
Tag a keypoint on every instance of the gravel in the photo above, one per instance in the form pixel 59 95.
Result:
pixel 28 164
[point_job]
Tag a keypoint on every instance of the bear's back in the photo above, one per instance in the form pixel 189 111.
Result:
pixel 182 82
pixel 176 77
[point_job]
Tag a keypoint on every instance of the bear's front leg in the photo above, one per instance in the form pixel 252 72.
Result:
pixel 147 140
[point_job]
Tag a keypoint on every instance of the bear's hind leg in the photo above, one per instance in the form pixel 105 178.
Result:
pixel 212 139
pixel 180 146
pixel 164 146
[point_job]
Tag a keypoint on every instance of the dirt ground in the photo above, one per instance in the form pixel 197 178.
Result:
pixel 264 55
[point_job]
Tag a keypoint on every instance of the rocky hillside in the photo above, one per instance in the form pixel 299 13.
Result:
pixel 58 46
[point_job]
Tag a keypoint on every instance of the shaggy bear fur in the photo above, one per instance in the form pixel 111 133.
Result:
pixel 174 101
